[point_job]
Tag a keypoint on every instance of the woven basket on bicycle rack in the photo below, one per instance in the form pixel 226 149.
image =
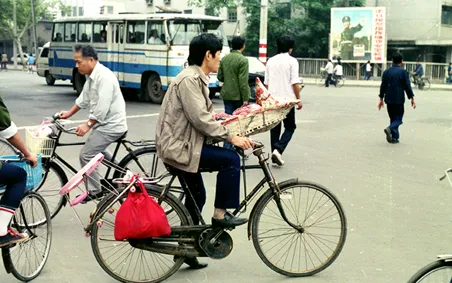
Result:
pixel 34 175
pixel 38 144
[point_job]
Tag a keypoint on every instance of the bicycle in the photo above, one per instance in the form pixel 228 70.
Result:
pixel 422 83
pixel 320 81
pixel 26 260
pixel 53 163
pixel 441 269
pixel 132 260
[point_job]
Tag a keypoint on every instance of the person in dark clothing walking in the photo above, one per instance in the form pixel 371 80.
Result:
pixel 395 83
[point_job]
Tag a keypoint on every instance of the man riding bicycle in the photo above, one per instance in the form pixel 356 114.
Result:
pixel 14 178
pixel 418 73
pixel 107 111
pixel 184 124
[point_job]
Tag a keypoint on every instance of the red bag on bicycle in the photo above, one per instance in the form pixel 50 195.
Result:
pixel 140 216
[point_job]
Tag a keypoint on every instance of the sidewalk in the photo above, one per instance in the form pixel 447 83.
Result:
pixel 362 83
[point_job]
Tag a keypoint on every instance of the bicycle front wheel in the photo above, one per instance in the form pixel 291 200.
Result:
pixel 122 261
pixel 436 272
pixel 26 260
pixel 309 250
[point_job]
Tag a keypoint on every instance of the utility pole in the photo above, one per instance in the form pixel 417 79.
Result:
pixel 35 37
pixel 263 32
pixel 15 34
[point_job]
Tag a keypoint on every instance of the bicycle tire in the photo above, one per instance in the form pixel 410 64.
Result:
pixel 426 84
pixel 320 81
pixel 258 211
pixel 62 200
pixel 9 260
pixel 428 269
pixel 340 83
pixel 155 192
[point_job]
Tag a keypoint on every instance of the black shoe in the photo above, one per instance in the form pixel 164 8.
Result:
pixel 12 238
pixel 229 221
pixel 192 262
pixel 92 197
pixel 395 141
pixel 388 135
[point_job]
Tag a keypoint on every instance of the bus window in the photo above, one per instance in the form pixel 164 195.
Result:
pixel 100 32
pixel 156 34
pixel 84 32
pixel 70 30
pixel 181 32
pixel 136 32
pixel 58 31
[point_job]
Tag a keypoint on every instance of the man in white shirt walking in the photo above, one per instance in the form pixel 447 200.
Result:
pixel 282 80
pixel 329 70
pixel 368 71
pixel 107 110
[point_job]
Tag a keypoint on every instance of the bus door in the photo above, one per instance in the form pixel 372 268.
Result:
pixel 116 50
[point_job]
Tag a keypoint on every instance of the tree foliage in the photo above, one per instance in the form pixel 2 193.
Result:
pixel 307 21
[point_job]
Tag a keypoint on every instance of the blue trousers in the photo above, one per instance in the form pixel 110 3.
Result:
pixel 229 107
pixel 395 112
pixel 227 163
pixel 15 180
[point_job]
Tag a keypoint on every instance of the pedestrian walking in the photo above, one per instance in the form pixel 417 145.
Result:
pixel 449 74
pixel 4 61
pixel 31 62
pixel 368 71
pixel 233 72
pixel 395 83
pixel 282 80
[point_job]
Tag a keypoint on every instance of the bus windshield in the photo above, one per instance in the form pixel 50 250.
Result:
pixel 181 32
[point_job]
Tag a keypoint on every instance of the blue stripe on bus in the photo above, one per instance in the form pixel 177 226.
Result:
pixel 129 68
pixel 125 53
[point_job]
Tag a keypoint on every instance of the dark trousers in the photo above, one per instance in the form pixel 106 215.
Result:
pixel 229 107
pixel 329 80
pixel 15 180
pixel 368 75
pixel 395 112
pixel 227 163
pixel 280 142
pixel 3 66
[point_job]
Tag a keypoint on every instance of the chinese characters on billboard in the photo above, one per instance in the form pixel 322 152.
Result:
pixel 358 34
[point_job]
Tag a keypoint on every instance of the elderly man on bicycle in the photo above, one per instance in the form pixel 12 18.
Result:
pixel 15 179
pixel 184 125
pixel 107 110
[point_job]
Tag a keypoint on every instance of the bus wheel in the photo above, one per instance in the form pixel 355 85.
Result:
pixel 154 89
pixel 50 80
pixel 79 81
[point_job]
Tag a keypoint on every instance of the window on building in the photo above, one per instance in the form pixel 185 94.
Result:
pixel 70 31
pixel 58 32
pixel 232 15
pixel 188 11
pixel 74 11
pixel 109 10
pixel 156 33
pixel 84 32
pixel 446 15
pixel 100 32
pixel 80 11
pixel 136 32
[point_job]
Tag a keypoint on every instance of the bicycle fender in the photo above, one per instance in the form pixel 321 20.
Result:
pixel 447 258
pixel 253 211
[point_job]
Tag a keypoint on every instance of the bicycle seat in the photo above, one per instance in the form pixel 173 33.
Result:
pixel 122 137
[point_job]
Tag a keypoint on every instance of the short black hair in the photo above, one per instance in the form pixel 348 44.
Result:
pixel 200 45
pixel 285 43
pixel 237 42
pixel 397 58
pixel 87 51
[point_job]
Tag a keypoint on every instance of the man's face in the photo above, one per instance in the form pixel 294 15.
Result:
pixel 346 24
pixel 85 65
pixel 213 63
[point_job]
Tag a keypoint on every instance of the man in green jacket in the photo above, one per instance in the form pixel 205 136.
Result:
pixel 233 72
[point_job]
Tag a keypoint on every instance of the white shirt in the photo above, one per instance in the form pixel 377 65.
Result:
pixel 155 40
pixel 368 67
pixel 329 68
pixel 338 70
pixel 102 95
pixel 280 74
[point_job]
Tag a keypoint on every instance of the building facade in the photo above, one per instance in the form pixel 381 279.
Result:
pixel 421 29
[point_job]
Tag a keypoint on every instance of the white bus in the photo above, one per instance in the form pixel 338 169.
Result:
pixel 145 51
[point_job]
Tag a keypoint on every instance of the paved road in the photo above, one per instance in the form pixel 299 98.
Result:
pixel 399 215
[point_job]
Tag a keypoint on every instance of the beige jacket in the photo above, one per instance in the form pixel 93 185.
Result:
pixel 186 121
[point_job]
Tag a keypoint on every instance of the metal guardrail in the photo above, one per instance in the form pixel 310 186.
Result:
pixel 309 67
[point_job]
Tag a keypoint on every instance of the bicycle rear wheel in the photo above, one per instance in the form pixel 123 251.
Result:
pixel 320 81
pixel 426 84
pixel 26 260
pixel 126 263
pixel 292 252
pixel 340 82
pixel 436 272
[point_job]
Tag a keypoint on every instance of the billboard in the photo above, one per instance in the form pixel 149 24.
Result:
pixel 358 34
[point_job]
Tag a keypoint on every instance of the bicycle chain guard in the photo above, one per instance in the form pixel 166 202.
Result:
pixel 221 248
